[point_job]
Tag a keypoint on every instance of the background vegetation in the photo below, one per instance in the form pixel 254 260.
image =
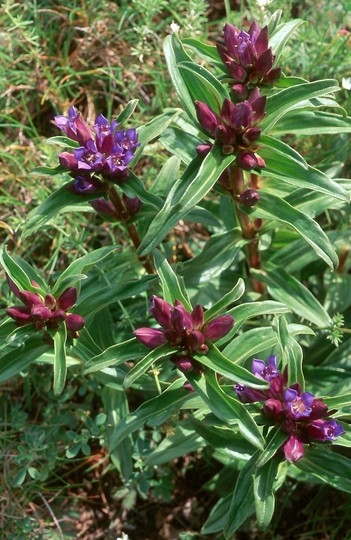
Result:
pixel 97 55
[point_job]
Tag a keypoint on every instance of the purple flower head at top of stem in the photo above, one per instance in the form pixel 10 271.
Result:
pixel 106 151
pixel 183 330
pixel 302 416
pixel 248 57
pixel 235 128
pixel 46 313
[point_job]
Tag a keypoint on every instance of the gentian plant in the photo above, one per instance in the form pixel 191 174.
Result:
pixel 254 283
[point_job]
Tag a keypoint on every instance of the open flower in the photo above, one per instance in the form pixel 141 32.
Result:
pixel 46 313
pixel 183 330
pixel 105 150
pixel 301 415
pixel 248 58
pixel 235 128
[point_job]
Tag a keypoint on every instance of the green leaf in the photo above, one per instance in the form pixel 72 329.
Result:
pixel 15 360
pixel 187 193
pixel 172 398
pixel 328 466
pixel 21 273
pixel 208 52
pixel 258 340
pixel 203 86
pixel 264 492
pixel 54 204
pixel 127 111
pixel 225 407
pixel 273 207
pixel 281 35
pixel 61 140
pixel 291 353
pixel 115 355
pixel 312 123
pixel 60 366
pixel 180 143
pixel 77 267
pixel 141 367
pixel 276 439
pixel 48 171
pixel 285 288
pixel 136 188
pixel 338 402
pixel 243 502
pixel 287 165
pixel 167 176
pixel 221 306
pixel 171 284
pixel 286 100
pixel 153 129
pixel 219 363
pixel 218 515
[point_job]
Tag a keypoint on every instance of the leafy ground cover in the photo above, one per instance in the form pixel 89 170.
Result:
pixel 58 479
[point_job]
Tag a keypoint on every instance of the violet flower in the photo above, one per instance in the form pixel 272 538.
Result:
pixel 106 150
pixel 302 416
pixel 248 58
pixel 46 313
pixel 183 330
pixel 235 128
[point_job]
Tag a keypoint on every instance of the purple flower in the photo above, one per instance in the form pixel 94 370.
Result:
pixel 46 313
pixel 248 58
pixel 106 150
pixel 298 406
pixel 235 128
pixel 183 330
pixel 324 430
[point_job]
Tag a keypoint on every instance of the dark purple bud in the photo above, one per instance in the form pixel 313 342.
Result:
pixel 197 316
pixel 184 363
pixel 254 31
pixel 247 54
pixel 68 160
pixel 40 313
pixel 251 136
pixel 83 185
pixel 84 133
pixel 29 298
pixel 324 430
pixel 161 310
pixel 264 63
pixel 12 286
pixel 227 110
pixel 207 118
pixel 219 327
pixel 181 319
pixel 151 337
pixel 249 160
pixel 231 38
pixel 204 149
pixel 261 42
pixel 187 386
pixel 74 322
pixel 21 315
pixel 195 342
pixel 132 204
pixel 241 115
pixel 50 301
pixel 103 207
pixel 237 72
pixel 272 76
pixel 248 395
pixel 249 197
pixel 319 409
pixel 67 299
pixel 273 408
pixel 239 92
pixel 57 316
pixel 259 108
pixel 293 449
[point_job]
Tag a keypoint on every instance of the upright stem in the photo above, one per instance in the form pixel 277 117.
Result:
pixel 248 230
pixel 132 231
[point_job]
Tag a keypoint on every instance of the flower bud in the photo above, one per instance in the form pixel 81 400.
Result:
pixel 150 337
pixel 249 197
pixel 67 299
pixel 29 298
pixel 184 363
pixel 293 449
pixel 219 327
pixel 40 313
pixel 103 207
pixel 74 322
pixel 207 118
pixel 161 311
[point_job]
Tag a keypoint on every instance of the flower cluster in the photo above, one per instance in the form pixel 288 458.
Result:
pixel 183 330
pixel 46 313
pixel 301 415
pixel 248 58
pixel 105 150
pixel 235 128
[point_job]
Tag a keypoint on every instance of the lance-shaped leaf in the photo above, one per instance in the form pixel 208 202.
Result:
pixel 61 140
pixel 263 487
pixel 312 123
pixel 225 407
pixel 115 355
pixel 60 364
pixel 273 207
pixel 275 440
pixel 21 273
pixel 221 306
pixel 127 111
pixel 172 398
pixel 291 352
pixel 187 193
pixel 219 363
pixel 328 466
pixel 77 267
pixel 285 101
pixel 15 360
pixel 218 516
pixel 283 287
pixel 172 285
pixel 141 367
pixel 208 52
pixel 280 36
pixel 203 85
pixel 242 504
pixel 287 165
